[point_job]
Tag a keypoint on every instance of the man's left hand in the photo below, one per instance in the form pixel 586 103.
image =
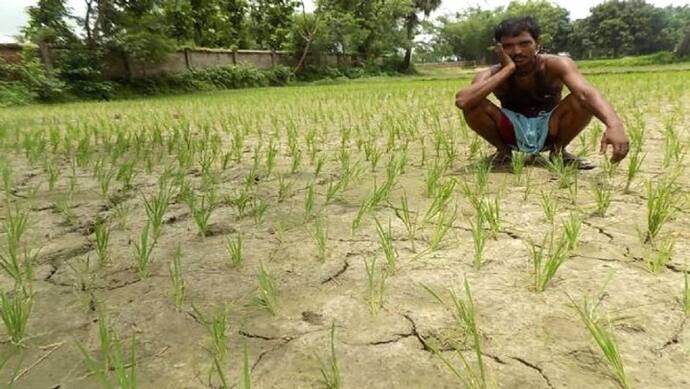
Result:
pixel 615 136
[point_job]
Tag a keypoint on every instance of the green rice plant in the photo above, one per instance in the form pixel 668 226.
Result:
pixel 432 178
pixel 660 207
pixel 241 201
pixel 442 196
pixel 361 212
pixel 216 325
pixel 53 174
pixel 17 262
pixel 334 187
pixel 296 160
pixel 259 209
pixel 330 370
pixel 267 297
pixel 546 259
pixel 571 231
pixel 234 250
pixel 142 252
pixel 309 200
pixel 271 157
pixel 686 292
pixel 601 332
pixel 491 213
pixel 321 237
pixel 157 206
pixel 14 374
pixel 201 207
pixel 177 281
pixel 517 164
pixel 481 175
pixel 465 314
pixel 634 165
pixel 548 204
pixel 479 240
pixel 284 188
pixel 566 172
pixel 602 194
pixel 376 285
pixel 121 213
pixel 528 185
pixel 386 242
pixel 102 235
pixel 105 177
pixel 405 215
pixel 319 162
pixel 443 224
pixel 660 255
pixel 15 309
pixel 125 372
pixel 673 147
pixel 125 174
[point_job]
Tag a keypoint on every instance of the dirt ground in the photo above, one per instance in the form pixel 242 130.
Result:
pixel 529 339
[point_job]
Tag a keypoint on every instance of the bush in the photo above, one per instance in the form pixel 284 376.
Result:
pixel 14 93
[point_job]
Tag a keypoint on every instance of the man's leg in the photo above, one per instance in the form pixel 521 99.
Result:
pixel 568 119
pixel 485 119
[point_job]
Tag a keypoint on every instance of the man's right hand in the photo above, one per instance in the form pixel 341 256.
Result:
pixel 505 60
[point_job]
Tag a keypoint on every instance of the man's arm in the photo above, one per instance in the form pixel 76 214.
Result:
pixel 485 82
pixel 593 100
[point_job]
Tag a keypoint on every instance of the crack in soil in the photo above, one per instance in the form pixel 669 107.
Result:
pixel 335 276
pixel 675 339
pixel 416 334
pixel 600 229
pixel 676 268
pixel 536 368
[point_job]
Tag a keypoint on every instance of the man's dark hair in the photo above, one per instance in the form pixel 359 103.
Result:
pixel 515 26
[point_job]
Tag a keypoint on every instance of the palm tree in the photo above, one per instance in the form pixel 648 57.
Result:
pixel 412 21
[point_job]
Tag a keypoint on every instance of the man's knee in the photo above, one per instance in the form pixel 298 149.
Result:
pixel 578 107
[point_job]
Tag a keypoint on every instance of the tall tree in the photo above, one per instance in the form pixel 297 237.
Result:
pixel 412 21
pixel 271 21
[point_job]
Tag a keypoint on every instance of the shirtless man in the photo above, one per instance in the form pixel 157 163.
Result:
pixel 533 117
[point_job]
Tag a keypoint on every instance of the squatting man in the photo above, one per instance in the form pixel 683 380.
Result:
pixel 533 116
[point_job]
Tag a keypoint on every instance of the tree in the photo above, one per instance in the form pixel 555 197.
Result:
pixel 271 22
pixel 48 26
pixel 412 22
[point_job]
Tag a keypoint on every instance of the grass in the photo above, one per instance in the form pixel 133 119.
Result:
pixel 603 336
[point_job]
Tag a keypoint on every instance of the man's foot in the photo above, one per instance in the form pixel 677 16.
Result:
pixel 572 160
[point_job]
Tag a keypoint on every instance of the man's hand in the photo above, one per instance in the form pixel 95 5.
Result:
pixel 505 60
pixel 615 136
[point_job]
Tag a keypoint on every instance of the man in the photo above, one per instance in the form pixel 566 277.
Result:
pixel 533 117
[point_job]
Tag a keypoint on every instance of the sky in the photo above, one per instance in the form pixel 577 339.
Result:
pixel 13 15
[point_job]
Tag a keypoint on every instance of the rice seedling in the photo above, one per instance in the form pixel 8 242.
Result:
pixel 660 207
pixel 102 235
pixel 443 224
pixel 201 207
pixel 566 172
pixel 321 237
pixel 330 370
pixel 376 285
pixel 571 231
pixel 157 206
pixel 602 194
pixel 234 250
pixel 603 336
pixel 479 240
pixel 432 178
pixel 177 281
pixel 634 165
pixel 481 175
pixel 267 297
pixel 284 188
pixel 491 213
pixel 53 174
pixel 105 177
pixel 15 309
pixel 442 196
pixel 660 255
pixel 465 314
pixel 361 211
pixel 271 157
pixel 216 324
pixel 386 242
pixel 142 252
pixel 686 291
pixel 84 276
pixel 125 372
pixel 309 200
pixel 546 259
pixel 405 215
pixel 259 210
pixel 548 204
pixel 319 162
pixel 517 164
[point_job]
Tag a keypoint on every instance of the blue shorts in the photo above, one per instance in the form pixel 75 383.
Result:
pixel 530 133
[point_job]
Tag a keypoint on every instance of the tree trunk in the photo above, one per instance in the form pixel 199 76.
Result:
pixel 44 50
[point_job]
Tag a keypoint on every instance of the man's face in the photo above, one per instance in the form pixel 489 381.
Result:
pixel 522 48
